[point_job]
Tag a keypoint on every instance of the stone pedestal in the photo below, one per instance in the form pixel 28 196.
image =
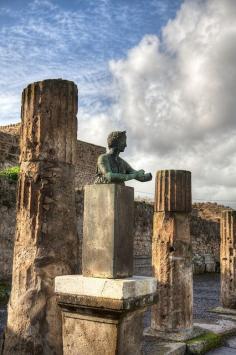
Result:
pixel 46 234
pixel 228 259
pixel 108 231
pixel 103 316
pixel 172 255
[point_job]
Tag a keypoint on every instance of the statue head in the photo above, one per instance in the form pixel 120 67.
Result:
pixel 117 140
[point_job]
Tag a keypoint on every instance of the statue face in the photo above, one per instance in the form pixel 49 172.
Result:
pixel 122 144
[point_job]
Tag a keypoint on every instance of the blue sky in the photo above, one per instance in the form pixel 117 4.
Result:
pixel 73 39
pixel 164 70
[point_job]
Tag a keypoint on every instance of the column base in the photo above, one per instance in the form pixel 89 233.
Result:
pixel 103 316
pixel 181 335
pixel 224 312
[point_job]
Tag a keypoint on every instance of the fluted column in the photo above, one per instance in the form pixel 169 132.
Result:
pixel 228 259
pixel 171 252
pixel 46 236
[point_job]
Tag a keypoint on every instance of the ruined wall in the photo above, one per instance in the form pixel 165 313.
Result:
pixel 7 226
pixel 86 161
pixel 86 154
pixel 143 217
pixel 9 150
pixel 11 129
pixel 204 229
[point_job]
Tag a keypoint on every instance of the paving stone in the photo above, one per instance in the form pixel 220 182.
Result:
pixel 152 346
pixel 231 342
pixel 220 326
pixel 222 351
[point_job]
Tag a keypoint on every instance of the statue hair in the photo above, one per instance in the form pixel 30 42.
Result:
pixel 114 137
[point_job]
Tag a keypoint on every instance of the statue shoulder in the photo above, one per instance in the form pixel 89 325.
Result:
pixel 103 158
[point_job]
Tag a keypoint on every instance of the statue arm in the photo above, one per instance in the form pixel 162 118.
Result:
pixel 104 167
pixel 140 174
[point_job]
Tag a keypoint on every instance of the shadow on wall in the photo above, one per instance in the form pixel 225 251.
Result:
pixel 205 235
pixel 21 345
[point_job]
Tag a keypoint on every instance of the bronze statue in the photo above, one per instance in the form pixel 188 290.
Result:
pixel 113 169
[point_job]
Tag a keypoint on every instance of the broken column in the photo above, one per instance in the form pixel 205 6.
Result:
pixel 46 235
pixel 172 255
pixel 102 311
pixel 228 259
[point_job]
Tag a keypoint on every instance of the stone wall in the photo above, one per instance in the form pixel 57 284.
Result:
pixel 204 227
pixel 205 232
pixel 11 129
pixel 86 159
pixel 143 216
pixel 9 150
pixel 7 226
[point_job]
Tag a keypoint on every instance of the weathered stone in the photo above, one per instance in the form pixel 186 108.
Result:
pixel 231 342
pixel 108 288
pixel 173 191
pixel 7 226
pixel 153 346
pixel 108 231
pixel 49 122
pixel 93 335
pixel 46 237
pixel 100 325
pixel 172 259
pixel 179 335
pixel 172 266
pixel 228 259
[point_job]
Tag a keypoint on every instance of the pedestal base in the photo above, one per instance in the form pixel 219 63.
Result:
pixel 103 325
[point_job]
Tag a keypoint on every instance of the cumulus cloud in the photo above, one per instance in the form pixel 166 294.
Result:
pixel 176 97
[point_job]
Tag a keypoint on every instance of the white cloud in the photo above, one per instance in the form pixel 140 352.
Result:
pixel 176 97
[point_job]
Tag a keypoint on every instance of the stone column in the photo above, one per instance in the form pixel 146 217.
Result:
pixel 46 235
pixel 172 254
pixel 102 310
pixel 228 259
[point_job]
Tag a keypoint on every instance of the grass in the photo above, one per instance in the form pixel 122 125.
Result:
pixel 10 173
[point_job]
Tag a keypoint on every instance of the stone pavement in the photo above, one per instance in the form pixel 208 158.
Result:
pixel 229 348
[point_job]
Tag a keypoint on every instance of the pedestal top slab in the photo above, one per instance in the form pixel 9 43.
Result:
pixel 107 288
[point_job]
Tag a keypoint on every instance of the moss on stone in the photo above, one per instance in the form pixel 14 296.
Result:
pixel 203 343
pixel 11 173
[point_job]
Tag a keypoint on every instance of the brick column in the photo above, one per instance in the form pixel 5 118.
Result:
pixel 46 235
pixel 171 252
pixel 228 259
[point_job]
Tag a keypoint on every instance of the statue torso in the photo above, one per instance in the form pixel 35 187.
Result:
pixel 110 163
